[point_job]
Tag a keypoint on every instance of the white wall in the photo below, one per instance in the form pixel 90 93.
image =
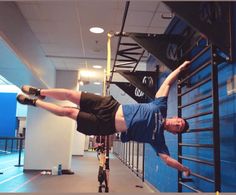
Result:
pixel 63 79
pixel 78 145
pixel 48 140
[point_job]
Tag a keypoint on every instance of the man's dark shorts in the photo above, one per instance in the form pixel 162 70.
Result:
pixel 97 114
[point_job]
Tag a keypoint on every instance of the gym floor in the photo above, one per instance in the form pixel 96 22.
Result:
pixel 85 168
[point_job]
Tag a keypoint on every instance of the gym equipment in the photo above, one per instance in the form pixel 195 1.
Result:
pixel 102 172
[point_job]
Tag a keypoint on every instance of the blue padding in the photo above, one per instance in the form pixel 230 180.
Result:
pixel 7 114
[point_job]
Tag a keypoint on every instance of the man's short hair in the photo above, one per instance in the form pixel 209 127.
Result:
pixel 186 126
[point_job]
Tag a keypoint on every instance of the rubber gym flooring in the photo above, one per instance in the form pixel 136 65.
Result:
pixel 122 179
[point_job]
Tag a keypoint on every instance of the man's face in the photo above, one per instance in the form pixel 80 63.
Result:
pixel 175 125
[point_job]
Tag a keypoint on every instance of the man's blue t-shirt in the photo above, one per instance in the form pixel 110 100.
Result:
pixel 144 123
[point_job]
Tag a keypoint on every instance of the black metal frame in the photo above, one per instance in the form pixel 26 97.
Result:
pixel 19 147
pixel 129 54
pixel 122 152
pixel 213 62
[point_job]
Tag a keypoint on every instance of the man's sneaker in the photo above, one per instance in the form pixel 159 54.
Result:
pixel 25 100
pixel 29 90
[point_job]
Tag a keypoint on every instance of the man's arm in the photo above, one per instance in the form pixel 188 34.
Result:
pixel 174 163
pixel 165 87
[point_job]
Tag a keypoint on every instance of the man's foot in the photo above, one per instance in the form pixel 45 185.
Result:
pixel 25 100
pixel 29 90
pixel 106 189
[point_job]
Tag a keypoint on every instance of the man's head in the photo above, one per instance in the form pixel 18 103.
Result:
pixel 176 125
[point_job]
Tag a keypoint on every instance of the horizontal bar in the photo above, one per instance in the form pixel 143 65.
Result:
pixel 188 50
pixel 196 86
pixel 129 44
pixel 124 66
pixel 202 177
pixel 132 53
pixel 121 64
pixel 197 160
pixel 129 49
pixel 197 145
pixel 129 57
pixel 125 60
pixel 196 101
pixel 140 57
pixel 195 72
pixel 200 53
pixel 11 138
pixel 198 115
pixel 199 130
pixel 186 40
pixel 189 187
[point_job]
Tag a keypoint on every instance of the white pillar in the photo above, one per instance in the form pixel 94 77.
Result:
pixel 49 138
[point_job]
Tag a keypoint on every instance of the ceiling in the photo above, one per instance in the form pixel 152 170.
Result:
pixel 62 27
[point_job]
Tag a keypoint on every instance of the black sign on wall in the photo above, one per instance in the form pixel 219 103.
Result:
pixel 211 19
pixel 131 90
pixel 142 85
pixel 163 47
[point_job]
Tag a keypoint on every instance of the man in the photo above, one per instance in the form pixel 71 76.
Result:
pixel 100 115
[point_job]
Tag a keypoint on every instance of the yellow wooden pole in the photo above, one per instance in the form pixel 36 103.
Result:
pixel 108 69
pixel 108 55
pixel 106 78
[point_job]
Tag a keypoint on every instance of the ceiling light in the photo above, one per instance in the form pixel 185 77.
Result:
pixel 87 73
pixel 83 82
pixel 97 66
pixel 96 83
pixel 96 30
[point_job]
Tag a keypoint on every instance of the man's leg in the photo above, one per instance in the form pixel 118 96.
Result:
pixel 59 94
pixel 53 108
pixel 58 110
pixel 62 94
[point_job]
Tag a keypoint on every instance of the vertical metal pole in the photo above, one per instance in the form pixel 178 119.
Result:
pixel 143 162
pixel 107 146
pixel 137 158
pixel 20 150
pixel 132 156
pixel 6 143
pixel 179 138
pixel 216 132
pixel 119 40
pixel 129 154
pixel 126 153
pixel 19 159
pixel 1 173
pixel 12 144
